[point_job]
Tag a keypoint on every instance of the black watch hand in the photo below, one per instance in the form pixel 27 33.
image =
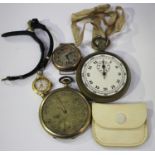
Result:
pixel 104 69
pixel 67 57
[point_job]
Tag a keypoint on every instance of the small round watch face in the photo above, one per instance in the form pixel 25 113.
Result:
pixel 41 85
pixel 103 77
pixel 66 57
pixel 65 113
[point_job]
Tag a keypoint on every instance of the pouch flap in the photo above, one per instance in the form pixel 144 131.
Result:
pixel 119 115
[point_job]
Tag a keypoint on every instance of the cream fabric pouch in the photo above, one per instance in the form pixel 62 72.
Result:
pixel 119 124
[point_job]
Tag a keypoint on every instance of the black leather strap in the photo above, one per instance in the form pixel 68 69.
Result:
pixel 38 66
pixel 34 24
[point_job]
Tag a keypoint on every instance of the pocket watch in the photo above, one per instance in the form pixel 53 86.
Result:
pixel 66 57
pixel 103 76
pixel 64 112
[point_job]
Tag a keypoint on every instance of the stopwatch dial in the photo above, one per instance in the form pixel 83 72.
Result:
pixel 65 113
pixel 66 56
pixel 103 66
pixel 104 74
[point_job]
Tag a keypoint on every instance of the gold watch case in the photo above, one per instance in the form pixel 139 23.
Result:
pixel 43 87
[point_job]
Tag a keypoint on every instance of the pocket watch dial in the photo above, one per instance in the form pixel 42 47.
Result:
pixel 103 77
pixel 65 113
pixel 66 57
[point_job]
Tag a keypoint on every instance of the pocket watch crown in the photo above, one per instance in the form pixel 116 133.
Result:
pixel 100 43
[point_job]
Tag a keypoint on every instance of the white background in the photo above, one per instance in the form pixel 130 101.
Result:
pixel 20 128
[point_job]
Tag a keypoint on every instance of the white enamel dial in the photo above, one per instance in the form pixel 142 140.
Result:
pixel 104 74
pixel 41 85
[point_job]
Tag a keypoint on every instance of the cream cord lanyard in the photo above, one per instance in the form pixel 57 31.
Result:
pixel 113 21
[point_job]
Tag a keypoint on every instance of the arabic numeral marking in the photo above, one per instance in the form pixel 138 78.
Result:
pixel 88 74
pixel 97 87
pixel 91 82
pixel 119 74
pixel 90 67
pixel 95 62
pixel 105 89
pixel 113 86
pixel 118 81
